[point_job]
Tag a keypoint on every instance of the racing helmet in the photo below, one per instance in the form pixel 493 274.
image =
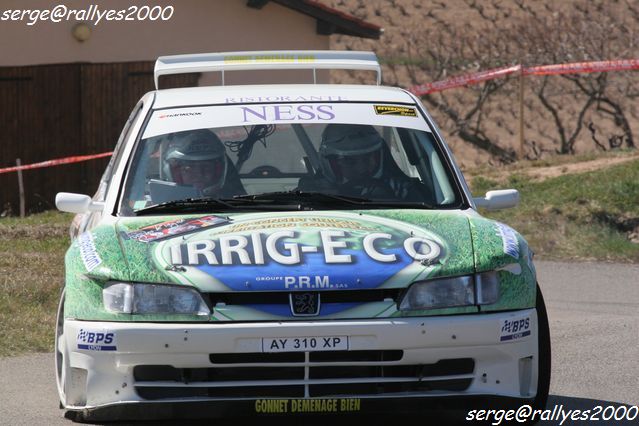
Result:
pixel 196 158
pixel 351 151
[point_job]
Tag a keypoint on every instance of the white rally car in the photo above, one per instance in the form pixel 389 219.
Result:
pixel 296 249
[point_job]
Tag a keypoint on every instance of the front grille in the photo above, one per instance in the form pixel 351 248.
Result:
pixel 282 297
pixel 303 375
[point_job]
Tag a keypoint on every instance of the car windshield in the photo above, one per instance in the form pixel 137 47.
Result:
pixel 374 156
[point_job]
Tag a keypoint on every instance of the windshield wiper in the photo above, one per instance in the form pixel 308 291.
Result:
pixel 280 200
pixel 298 196
pixel 208 204
pixel 323 199
pixel 187 205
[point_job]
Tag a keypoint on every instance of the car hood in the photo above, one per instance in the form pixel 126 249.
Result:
pixel 319 251
pixel 251 266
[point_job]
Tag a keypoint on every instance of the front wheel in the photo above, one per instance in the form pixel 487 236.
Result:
pixel 63 367
pixel 61 354
pixel 544 362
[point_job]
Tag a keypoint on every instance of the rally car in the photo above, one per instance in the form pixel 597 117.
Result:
pixel 270 250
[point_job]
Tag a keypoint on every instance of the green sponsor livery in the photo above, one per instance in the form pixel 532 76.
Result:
pixel 322 251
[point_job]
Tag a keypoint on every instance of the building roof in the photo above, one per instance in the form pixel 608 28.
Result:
pixel 329 20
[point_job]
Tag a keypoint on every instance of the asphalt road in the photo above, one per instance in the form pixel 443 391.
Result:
pixel 594 321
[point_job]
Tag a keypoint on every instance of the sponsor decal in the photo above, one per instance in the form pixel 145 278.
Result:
pixel 240 111
pixel 181 114
pixel 296 112
pixel 509 239
pixel 513 329
pixel 305 282
pixel 332 405
pixel 297 222
pixel 92 340
pixel 259 249
pixel 88 253
pixel 303 253
pixel 163 230
pixel 247 59
pixel 395 110
pixel 283 99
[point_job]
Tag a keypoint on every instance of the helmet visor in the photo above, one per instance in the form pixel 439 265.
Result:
pixel 356 166
pixel 201 174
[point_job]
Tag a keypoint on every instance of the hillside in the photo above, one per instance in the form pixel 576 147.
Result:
pixel 427 41
pixel 586 209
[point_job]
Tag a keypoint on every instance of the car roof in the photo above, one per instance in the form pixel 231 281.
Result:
pixel 279 93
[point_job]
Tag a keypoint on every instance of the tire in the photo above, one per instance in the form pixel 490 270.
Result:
pixel 544 363
pixel 62 367
pixel 61 355
pixel 543 366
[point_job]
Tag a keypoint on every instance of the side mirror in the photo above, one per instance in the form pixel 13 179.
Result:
pixel 77 203
pixel 499 199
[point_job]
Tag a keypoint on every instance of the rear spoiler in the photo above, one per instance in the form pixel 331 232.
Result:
pixel 267 60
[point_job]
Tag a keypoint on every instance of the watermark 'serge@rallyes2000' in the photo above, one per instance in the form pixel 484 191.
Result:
pixel 92 14
pixel 558 414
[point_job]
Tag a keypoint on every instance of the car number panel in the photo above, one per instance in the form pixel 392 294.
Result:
pixel 305 344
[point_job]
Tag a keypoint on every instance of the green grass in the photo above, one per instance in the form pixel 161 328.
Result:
pixel 582 216
pixel 31 276
pixel 550 161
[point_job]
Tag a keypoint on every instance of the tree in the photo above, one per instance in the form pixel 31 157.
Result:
pixel 430 41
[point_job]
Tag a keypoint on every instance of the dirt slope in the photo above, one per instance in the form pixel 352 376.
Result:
pixel 488 32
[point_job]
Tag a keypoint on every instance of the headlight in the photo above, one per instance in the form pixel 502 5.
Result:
pixel 131 298
pixel 487 287
pixel 479 289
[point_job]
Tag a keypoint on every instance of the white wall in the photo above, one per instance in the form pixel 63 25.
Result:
pixel 196 26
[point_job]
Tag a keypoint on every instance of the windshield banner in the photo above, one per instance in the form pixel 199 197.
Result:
pixel 182 119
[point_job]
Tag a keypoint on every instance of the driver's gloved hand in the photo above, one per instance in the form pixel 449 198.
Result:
pixel 211 191
pixel 317 184
pixel 367 188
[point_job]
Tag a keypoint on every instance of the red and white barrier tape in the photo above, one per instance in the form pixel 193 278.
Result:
pixel 425 89
pixel 583 67
pixel 463 80
pixel 55 162
pixel 478 77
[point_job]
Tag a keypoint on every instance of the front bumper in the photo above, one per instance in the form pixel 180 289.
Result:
pixel 122 368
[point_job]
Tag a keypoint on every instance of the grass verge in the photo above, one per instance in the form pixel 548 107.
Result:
pixel 31 276
pixel 582 216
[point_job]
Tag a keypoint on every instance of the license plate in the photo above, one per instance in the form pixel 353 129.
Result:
pixel 304 344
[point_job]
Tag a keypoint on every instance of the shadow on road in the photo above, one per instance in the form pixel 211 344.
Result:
pixel 590 405
pixel 558 408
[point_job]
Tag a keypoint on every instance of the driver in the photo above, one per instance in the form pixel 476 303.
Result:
pixel 354 158
pixel 350 152
pixel 199 159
